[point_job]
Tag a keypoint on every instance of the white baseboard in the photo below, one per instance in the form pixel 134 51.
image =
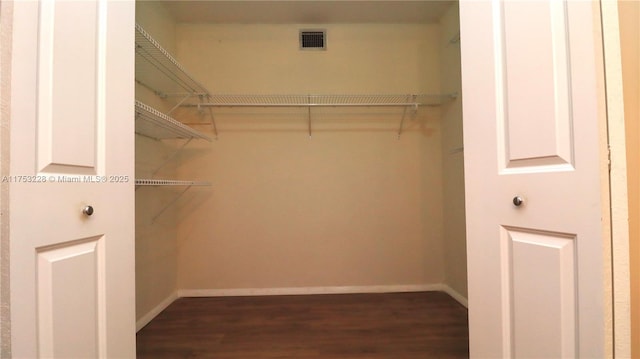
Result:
pixel 309 290
pixel 156 310
pixel 455 295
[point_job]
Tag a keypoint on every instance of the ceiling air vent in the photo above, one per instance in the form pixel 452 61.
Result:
pixel 313 39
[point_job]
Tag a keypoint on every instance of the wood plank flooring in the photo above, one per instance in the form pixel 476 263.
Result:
pixel 345 326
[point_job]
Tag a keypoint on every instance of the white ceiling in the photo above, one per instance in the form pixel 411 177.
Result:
pixel 307 11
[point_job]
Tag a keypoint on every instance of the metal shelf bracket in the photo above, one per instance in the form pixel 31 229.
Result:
pixel 171 156
pixel 152 182
pixel 404 112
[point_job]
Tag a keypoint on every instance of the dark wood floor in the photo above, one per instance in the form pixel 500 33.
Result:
pixel 345 326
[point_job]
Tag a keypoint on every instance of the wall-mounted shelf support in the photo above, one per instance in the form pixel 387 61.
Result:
pixel 309 117
pixel 404 113
pixel 213 120
pixel 171 156
pixel 156 182
pixel 185 98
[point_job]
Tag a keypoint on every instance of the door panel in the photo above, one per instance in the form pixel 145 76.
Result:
pixel 72 274
pixel 67 102
pixel 533 107
pixel 543 298
pixel 536 95
pixel 70 279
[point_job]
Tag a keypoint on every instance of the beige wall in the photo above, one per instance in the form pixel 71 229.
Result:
pixel 455 243
pixel 156 245
pixel 629 12
pixel 352 206
pixel 265 59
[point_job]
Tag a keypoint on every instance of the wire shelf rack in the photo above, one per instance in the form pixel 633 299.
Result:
pixel 164 182
pixel 161 73
pixel 391 100
pixel 154 124
pixel 159 60
pixel 410 102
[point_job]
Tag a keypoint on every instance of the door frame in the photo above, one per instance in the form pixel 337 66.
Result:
pixel 6 32
pixel 619 199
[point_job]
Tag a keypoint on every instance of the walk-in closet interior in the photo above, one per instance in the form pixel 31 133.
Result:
pixel 270 165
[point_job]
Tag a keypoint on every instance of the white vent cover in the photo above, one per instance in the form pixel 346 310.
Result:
pixel 313 39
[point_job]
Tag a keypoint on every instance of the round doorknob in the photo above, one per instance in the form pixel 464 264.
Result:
pixel 87 210
pixel 517 201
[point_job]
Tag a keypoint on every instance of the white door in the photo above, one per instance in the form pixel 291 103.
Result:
pixel 533 119
pixel 71 146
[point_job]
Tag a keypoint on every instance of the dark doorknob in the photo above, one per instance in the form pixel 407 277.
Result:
pixel 87 210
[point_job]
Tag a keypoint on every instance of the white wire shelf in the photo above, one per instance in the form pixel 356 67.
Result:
pixel 158 71
pixel 398 100
pixel 154 124
pixel 409 102
pixel 164 182
pixel 159 61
